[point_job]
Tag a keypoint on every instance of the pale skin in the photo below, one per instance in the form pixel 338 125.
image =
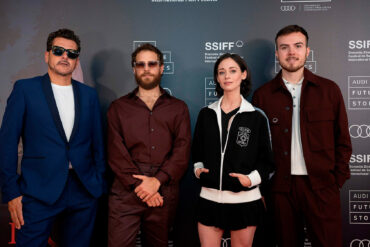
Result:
pixel 60 71
pixel 292 52
pixel 147 191
pixel 230 77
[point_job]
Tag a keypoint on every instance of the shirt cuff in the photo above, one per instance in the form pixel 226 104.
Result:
pixel 162 177
pixel 255 178
pixel 133 186
pixel 10 190
pixel 197 166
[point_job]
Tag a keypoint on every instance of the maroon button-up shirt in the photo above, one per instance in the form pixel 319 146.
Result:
pixel 159 137
pixel 325 136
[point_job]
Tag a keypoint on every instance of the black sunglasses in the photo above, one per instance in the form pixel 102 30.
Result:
pixel 59 51
pixel 151 64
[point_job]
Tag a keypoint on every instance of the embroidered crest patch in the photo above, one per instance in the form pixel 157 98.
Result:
pixel 243 136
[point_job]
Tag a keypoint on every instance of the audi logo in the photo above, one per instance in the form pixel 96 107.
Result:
pixel 287 8
pixel 359 131
pixel 360 243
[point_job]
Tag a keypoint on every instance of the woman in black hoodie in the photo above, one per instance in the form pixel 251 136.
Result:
pixel 232 155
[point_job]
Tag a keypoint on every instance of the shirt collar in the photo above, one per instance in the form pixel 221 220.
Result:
pixel 298 83
pixel 309 78
pixel 133 94
pixel 245 106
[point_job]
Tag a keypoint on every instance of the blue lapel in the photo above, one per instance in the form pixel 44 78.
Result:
pixel 48 91
pixel 76 96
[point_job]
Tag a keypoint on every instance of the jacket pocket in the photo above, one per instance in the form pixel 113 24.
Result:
pixel 209 179
pixel 320 129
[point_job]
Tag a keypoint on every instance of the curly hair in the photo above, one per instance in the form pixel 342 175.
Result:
pixel 63 33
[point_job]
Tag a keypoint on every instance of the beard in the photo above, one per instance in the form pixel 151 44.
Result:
pixel 58 68
pixel 149 82
pixel 290 67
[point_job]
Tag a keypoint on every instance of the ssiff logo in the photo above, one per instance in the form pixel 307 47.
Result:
pixel 243 136
pixel 222 46
pixel 359 44
pixel 214 49
pixel 169 66
pixel 310 63
pixel 360 158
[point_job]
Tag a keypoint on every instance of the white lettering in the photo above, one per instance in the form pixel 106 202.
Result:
pixel 360 158
pixel 219 46
pixel 359 44
pixel 359 82
pixel 360 196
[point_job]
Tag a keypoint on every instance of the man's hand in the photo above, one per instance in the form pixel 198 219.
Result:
pixel 15 209
pixel 148 187
pixel 155 201
pixel 243 179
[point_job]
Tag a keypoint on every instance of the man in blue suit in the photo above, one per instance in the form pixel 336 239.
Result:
pixel 58 120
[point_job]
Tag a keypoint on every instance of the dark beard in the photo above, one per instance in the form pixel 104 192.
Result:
pixel 148 85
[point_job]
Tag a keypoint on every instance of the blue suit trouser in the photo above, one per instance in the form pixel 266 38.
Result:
pixel 76 208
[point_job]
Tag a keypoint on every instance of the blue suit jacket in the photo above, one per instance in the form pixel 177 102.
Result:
pixel 32 114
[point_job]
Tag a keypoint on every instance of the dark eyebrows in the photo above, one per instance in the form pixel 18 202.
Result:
pixel 298 43
pixel 232 67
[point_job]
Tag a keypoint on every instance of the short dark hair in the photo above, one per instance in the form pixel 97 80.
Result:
pixel 146 47
pixel 246 84
pixel 291 29
pixel 63 33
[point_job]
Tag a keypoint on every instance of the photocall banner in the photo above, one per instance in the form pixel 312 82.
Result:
pixel 192 34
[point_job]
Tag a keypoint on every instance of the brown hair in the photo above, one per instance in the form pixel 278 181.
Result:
pixel 146 47
pixel 246 84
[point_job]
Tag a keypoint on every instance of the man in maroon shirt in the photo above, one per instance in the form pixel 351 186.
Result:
pixel 311 145
pixel 148 150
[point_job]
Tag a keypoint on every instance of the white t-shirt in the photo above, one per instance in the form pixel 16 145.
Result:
pixel 64 99
pixel 298 164
pixel 66 106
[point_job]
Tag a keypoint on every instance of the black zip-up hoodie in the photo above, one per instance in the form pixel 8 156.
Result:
pixel 247 149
